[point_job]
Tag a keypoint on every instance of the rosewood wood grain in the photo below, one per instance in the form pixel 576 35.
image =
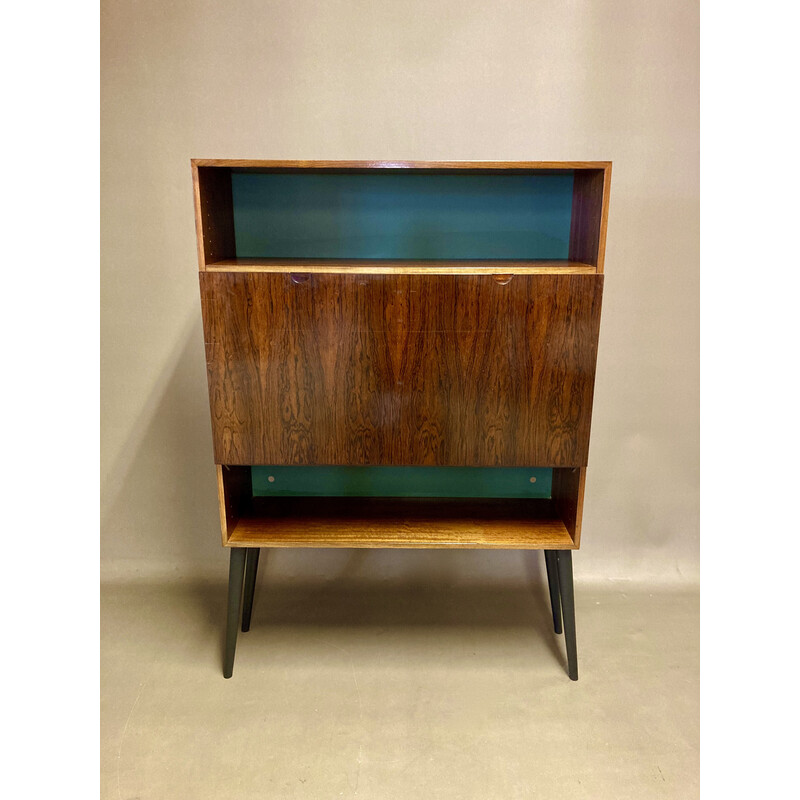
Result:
pixel 417 522
pixel 588 215
pixel 567 492
pixel 438 370
pixel 213 214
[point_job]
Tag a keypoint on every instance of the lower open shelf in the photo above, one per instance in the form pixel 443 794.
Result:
pixel 400 522
pixel 325 518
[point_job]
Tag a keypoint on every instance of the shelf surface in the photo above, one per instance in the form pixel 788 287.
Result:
pixel 385 266
pixel 401 523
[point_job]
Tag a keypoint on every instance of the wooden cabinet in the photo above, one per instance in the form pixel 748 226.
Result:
pixel 365 321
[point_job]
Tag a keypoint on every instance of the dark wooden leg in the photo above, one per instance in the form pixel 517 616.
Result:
pixel 552 582
pixel 250 573
pixel 235 578
pixel 564 561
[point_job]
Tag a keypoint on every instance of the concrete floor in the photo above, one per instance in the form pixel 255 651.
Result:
pixel 395 691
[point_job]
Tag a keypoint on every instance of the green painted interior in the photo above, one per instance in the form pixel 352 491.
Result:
pixel 402 215
pixel 401 482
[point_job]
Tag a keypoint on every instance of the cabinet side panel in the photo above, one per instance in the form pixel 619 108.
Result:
pixel 568 486
pixel 214 204
pixel 223 508
pixel 235 496
pixel 587 216
pixel 440 370
pixel 601 248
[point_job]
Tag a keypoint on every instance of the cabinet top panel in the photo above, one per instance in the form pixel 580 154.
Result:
pixel 399 165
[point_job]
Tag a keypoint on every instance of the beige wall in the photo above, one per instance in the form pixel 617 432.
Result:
pixel 456 79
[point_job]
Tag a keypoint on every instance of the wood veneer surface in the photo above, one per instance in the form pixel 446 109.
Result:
pixel 213 214
pixel 587 217
pixel 388 522
pixel 379 266
pixel 446 370
pixel 568 490
pixel 246 163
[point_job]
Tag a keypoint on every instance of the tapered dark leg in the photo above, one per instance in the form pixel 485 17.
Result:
pixel 250 573
pixel 552 582
pixel 235 578
pixel 564 561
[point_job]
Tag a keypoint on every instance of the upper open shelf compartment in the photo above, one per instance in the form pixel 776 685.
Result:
pixel 401 216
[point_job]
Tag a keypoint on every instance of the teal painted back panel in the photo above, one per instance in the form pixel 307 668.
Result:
pixel 401 482
pixel 407 215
